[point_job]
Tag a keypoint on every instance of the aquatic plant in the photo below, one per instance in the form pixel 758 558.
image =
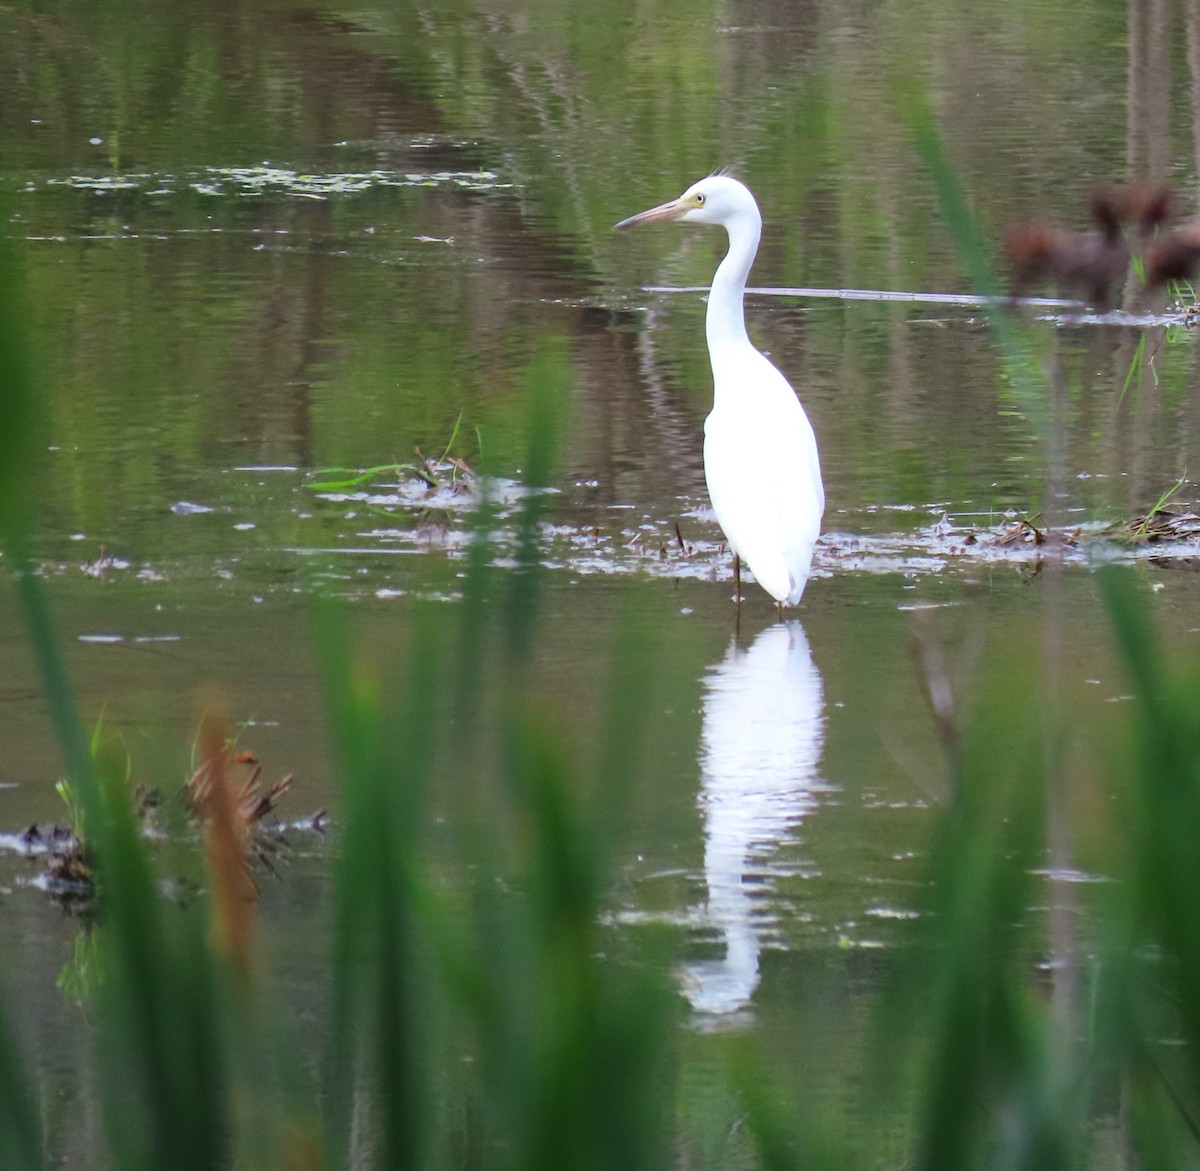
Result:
pixel 443 471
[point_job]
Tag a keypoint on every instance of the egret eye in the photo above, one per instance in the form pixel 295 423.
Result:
pixel 699 198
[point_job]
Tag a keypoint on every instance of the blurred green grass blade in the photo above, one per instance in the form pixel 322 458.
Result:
pixel 1162 809
pixel 472 650
pixel 972 248
pixel 161 1110
pixel 405 1001
pixel 1129 613
pixel 631 674
pixel 20 445
pixel 593 1066
pixel 20 1129
pixel 548 382
pixel 379 1006
pixel 159 1036
pixel 1023 365
pixel 987 1048
pixel 20 414
pixel 350 702
pixel 775 1127
pixel 60 696
pixel 1157 1138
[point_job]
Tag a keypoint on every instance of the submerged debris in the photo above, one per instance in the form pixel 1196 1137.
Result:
pixel 67 869
pixel 251 803
pixel 1161 525
pixel 67 873
pixel 1024 532
pixel 104 561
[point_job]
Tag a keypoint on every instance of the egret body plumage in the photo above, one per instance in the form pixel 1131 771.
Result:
pixel 760 454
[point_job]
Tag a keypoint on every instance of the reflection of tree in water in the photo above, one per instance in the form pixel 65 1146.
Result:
pixel 763 730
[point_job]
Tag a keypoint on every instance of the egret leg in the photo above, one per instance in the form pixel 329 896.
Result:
pixel 737 579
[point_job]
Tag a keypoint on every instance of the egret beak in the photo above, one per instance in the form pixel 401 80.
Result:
pixel 664 211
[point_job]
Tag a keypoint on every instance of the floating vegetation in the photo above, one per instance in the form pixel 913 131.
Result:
pixel 688 545
pixel 66 870
pixel 215 793
pixel 266 179
pixel 1024 532
pixel 1163 525
pixel 443 471
pixel 372 518
pixel 437 474
pixel 228 782
pixel 102 564
pixel 258 180
pixel 100 183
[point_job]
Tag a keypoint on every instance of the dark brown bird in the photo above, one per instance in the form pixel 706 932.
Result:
pixel 1143 207
pixel 1085 264
pixel 1090 264
pixel 1174 256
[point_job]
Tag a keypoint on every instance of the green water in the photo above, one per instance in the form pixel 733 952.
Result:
pixel 267 239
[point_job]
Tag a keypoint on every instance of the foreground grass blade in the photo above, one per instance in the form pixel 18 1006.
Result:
pixel 548 380
pixel 158 1030
pixel 20 429
pixel 160 1034
pixel 20 416
pixel 379 1013
pixel 988 1044
pixel 1162 819
pixel 575 1053
pixel 1023 367
pixel 20 1131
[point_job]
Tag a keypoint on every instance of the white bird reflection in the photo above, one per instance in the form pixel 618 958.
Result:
pixel 762 734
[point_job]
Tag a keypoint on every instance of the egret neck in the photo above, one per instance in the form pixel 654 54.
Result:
pixel 725 320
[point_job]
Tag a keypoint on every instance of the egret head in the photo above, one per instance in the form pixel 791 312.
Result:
pixel 719 199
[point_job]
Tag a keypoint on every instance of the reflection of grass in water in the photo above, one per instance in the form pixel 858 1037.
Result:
pixel 1135 367
pixel 482 1025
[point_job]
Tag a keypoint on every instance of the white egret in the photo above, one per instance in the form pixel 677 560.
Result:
pixel 760 455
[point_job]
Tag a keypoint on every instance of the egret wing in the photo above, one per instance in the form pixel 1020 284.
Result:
pixel 764 479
